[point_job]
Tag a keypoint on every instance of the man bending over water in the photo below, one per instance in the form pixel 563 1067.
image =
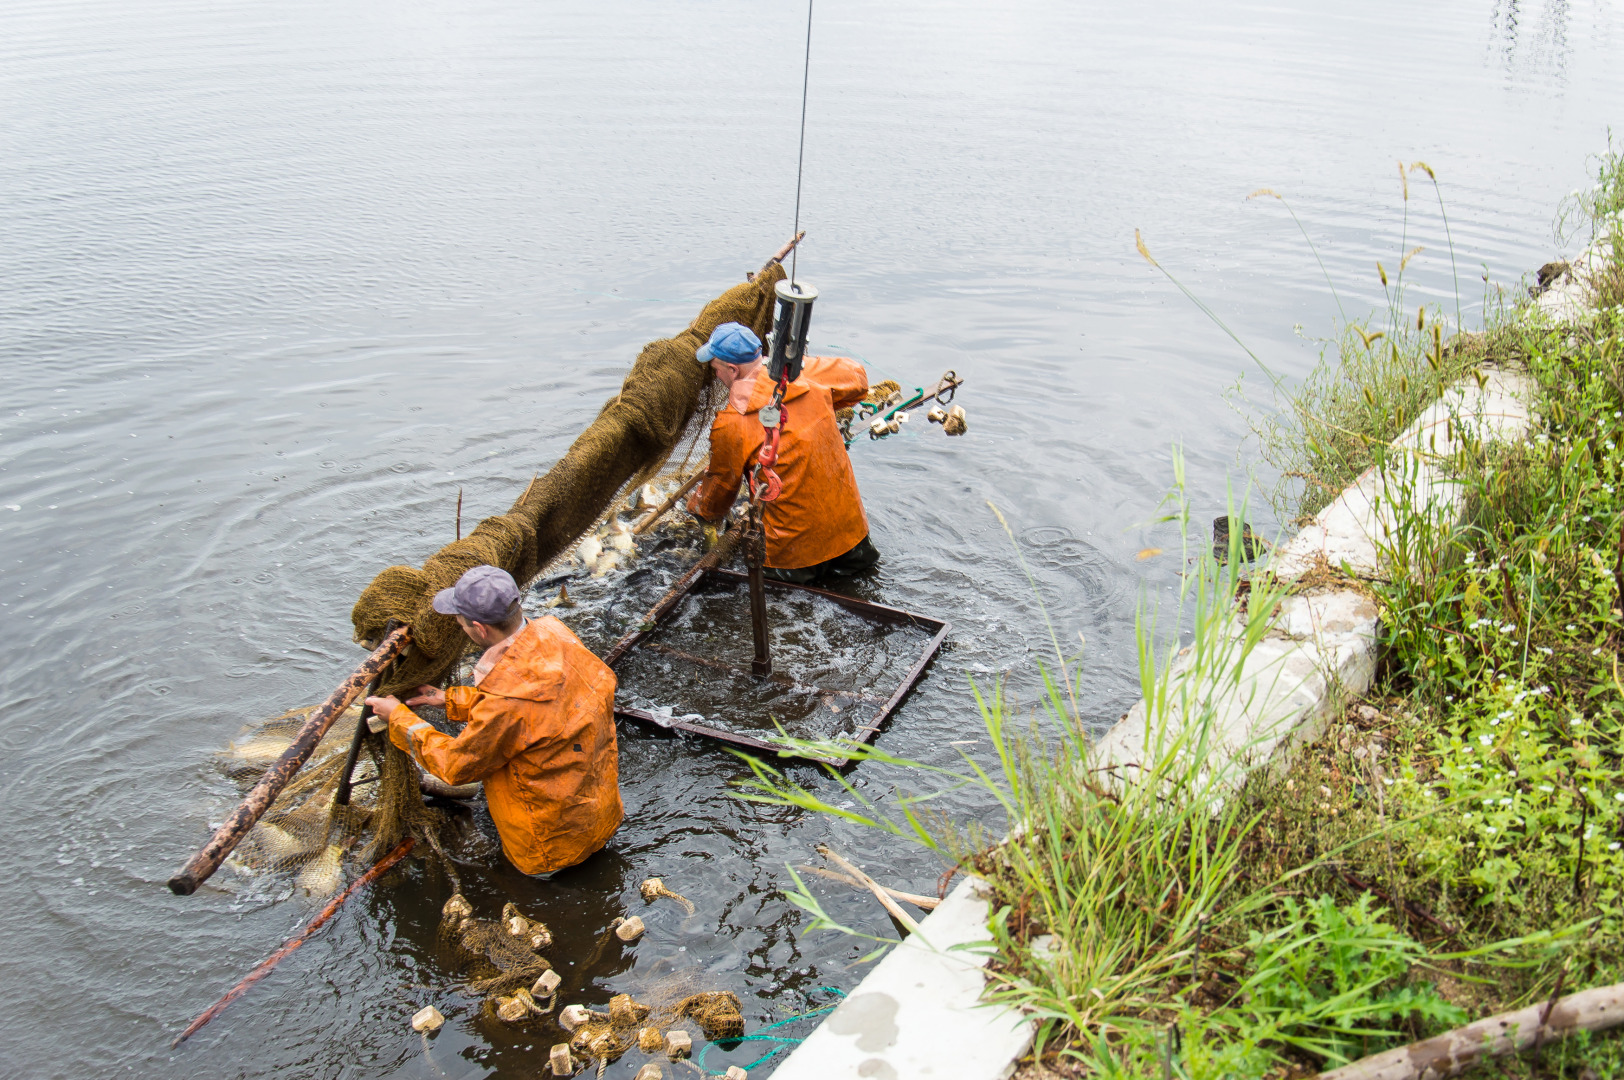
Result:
pixel 538 727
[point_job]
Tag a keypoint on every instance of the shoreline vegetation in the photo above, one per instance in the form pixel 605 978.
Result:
pixel 1449 848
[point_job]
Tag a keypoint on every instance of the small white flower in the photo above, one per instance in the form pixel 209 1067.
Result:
pixel 1485 739
pixel 1490 830
pixel 1546 788
pixel 1619 796
pixel 1614 846
pixel 1505 802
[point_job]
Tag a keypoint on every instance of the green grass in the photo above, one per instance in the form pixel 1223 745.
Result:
pixel 1451 848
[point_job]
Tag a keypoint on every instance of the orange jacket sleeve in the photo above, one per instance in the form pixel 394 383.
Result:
pixel 490 740
pixel 845 378
pixel 724 473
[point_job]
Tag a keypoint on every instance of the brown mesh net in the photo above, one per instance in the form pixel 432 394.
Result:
pixel 630 440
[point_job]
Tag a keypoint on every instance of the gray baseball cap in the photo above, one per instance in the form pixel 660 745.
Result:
pixel 483 594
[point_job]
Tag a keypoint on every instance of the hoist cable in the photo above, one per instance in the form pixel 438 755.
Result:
pixel 806 74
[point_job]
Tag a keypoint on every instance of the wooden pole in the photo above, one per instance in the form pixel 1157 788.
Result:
pixel 341 796
pixel 782 254
pixel 265 966
pixel 687 485
pixel 872 886
pixel 259 800
pixel 1454 1051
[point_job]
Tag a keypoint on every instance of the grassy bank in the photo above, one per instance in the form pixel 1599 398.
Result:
pixel 1453 846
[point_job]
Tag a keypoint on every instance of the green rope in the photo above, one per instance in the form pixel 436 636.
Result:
pixel 758 1036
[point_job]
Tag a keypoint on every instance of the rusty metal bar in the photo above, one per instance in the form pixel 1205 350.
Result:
pixel 259 800
pixel 762 662
pixel 341 796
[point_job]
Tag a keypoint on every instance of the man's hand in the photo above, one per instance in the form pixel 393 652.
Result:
pixel 381 708
pixel 431 696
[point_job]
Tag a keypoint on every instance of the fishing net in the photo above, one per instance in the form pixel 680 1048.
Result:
pixel 665 397
pixel 307 833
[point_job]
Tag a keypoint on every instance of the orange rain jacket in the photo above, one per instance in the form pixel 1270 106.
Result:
pixel 541 734
pixel 819 515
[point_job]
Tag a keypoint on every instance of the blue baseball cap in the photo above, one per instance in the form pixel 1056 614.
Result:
pixel 483 594
pixel 731 343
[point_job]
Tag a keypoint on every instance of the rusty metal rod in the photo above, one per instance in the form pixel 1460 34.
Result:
pixel 259 800
pixel 762 662
pixel 265 966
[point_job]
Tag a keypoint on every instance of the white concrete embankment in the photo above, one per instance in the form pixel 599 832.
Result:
pixel 1321 647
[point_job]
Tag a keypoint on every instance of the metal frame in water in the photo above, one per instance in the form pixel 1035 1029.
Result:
pixel 874 612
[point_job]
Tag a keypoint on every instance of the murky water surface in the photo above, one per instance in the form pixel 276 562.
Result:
pixel 280 280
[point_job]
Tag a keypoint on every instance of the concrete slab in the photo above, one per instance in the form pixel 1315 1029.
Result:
pixel 1349 532
pixel 918 1013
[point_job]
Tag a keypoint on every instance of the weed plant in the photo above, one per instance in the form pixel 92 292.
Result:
pixel 1124 908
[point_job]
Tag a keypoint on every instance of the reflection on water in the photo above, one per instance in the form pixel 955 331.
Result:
pixel 281 280
pixel 1531 42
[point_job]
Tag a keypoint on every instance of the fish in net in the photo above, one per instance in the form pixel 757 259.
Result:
pixel 307 833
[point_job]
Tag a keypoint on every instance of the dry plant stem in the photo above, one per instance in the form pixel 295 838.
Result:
pixel 660 511
pixel 264 969
pixel 264 793
pixel 869 883
pixel 1453 1051
pixel 927 902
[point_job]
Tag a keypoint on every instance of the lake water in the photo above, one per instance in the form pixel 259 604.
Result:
pixel 280 279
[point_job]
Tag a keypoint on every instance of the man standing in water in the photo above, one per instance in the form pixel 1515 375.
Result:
pixel 816 527
pixel 539 727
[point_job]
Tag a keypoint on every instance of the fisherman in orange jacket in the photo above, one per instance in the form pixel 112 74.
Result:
pixel 816 527
pixel 539 727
